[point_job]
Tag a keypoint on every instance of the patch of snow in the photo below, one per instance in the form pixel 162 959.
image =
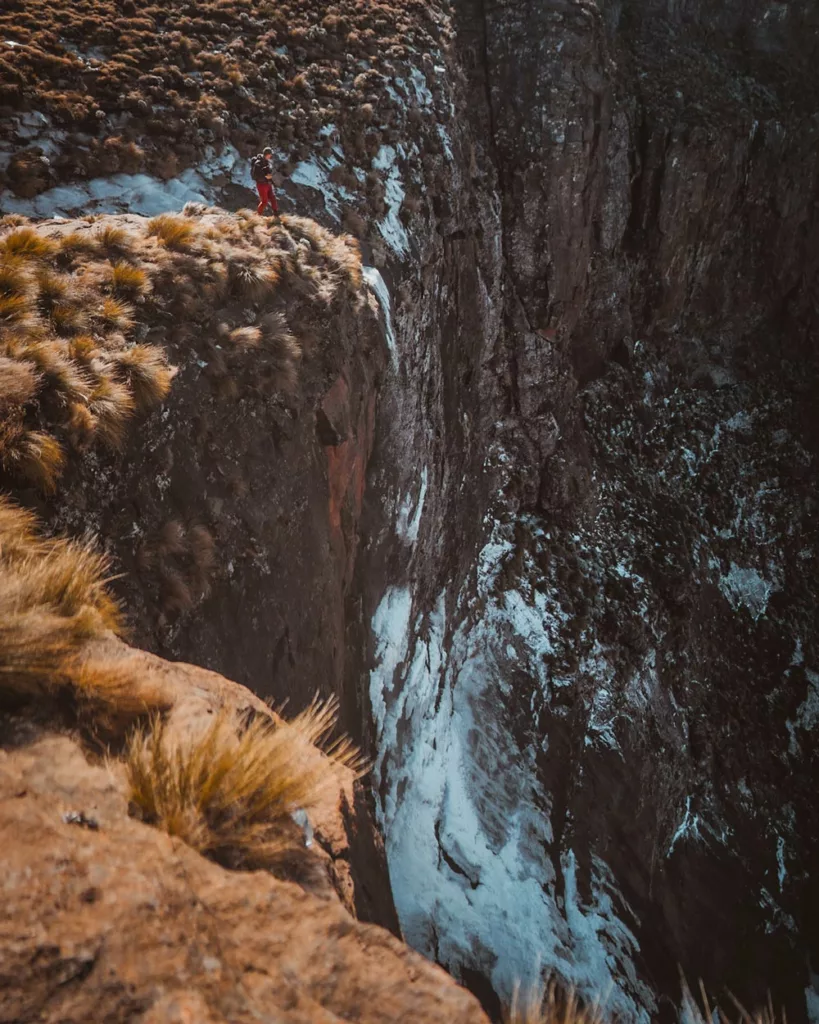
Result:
pixel 391 228
pixel 313 174
pixel 689 826
pixel 741 586
pixel 780 861
pixel 390 626
pixel 374 279
pixel 133 193
pixel 446 142
pixel 812 999
pixel 466 822
pixel 808 714
pixel 419 84
pixel 409 518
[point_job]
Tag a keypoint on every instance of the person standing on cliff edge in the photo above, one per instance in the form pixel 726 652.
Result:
pixel 261 170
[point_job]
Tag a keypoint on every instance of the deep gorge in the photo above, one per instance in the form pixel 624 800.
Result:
pixel 548 529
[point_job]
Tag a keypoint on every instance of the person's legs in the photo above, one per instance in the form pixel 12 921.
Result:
pixel 261 188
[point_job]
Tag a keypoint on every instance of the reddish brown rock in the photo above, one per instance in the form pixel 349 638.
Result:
pixel 108 919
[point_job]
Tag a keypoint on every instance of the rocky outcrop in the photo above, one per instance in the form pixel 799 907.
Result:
pixel 104 918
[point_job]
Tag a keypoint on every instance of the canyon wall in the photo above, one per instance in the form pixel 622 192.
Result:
pixel 593 668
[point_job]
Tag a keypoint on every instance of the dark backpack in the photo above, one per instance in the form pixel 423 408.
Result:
pixel 259 168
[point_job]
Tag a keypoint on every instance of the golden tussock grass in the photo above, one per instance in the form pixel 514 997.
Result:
pixel 553 1004
pixel 229 791
pixel 14 276
pixel 703 1012
pixel 116 314
pixel 126 279
pixel 70 299
pixel 53 597
pixel 27 243
pixel 146 372
pixel 115 241
pixel 550 1004
pixel 174 232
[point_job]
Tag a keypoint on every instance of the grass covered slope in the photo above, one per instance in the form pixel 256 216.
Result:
pixel 101 87
pixel 80 305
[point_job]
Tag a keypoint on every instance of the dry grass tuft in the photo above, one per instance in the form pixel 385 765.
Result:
pixel 14 277
pixel 704 1013
pixel 147 373
pixel 229 791
pixel 53 598
pixel 15 310
pixel 115 241
pixel 283 353
pixel 18 382
pixel 128 280
pixel 116 314
pixel 246 337
pixel 550 1004
pixel 77 243
pixel 111 406
pixel 27 243
pixel 176 233
pixel 33 456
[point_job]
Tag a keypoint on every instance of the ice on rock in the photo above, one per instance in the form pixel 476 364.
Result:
pixel 374 279
pixel 467 825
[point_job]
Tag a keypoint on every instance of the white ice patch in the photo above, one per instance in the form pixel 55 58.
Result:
pixel 374 279
pixel 390 626
pixel 812 999
pixel 688 827
pixel 466 823
pixel 390 226
pixel 808 714
pixel 419 84
pixel 781 874
pixel 410 511
pixel 746 587
pixel 133 193
pixel 314 174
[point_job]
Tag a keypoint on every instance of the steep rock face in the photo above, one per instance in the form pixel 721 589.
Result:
pixel 593 664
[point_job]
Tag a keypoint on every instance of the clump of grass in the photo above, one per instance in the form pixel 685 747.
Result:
pixel 704 1013
pixel 14 277
pixel 50 585
pixel 31 455
pixel 15 310
pixel 283 353
pixel 77 243
pixel 175 233
pixel 229 791
pixel 116 314
pixel 147 373
pixel 115 241
pixel 128 280
pixel 550 1004
pixel 112 406
pixel 246 337
pixel 18 382
pixel 27 243
pixel 250 278
pixel 54 599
